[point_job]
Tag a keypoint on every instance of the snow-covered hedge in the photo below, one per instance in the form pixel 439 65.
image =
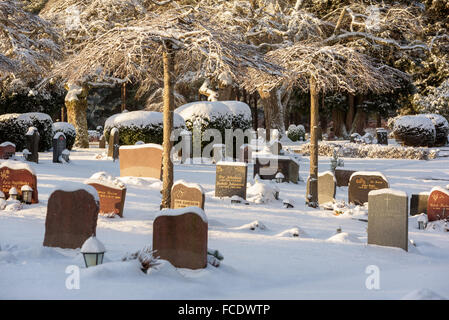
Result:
pixel 441 128
pixel 133 126
pixel 415 131
pixel 14 126
pixel 355 150
pixel 296 133
pixel 68 130
pixel 220 115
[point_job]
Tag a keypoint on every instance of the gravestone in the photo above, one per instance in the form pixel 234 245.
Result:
pixel 71 217
pixel 382 136
pixel 112 193
pixel 59 145
pixel 17 174
pixel 342 176
pixel 143 160
pixel 113 144
pixel 230 179
pixel 438 204
pixel 180 237
pixel 102 142
pixel 185 194
pixel 388 218
pixel 418 203
pixel 267 167
pixel 32 142
pixel 245 153
pixel 361 183
pixel 326 187
pixel 7 150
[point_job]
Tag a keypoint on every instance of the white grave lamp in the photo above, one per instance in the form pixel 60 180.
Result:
pixel 279 177
pixel 422 221
pixel 27 194
pixel 13 194
pixel 93 252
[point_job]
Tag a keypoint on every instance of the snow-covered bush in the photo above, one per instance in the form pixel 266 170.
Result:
pixel 296 133
pixel 14 126
pixel 133 126
pixel 415 131
pixel 436 102
pixel 68 130
pixel 375 151
pixel 441 128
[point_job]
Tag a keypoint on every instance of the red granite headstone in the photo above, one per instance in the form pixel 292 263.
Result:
pixel 7 150
pixel 112 200
pixel 71 218
pixel 181 239
pixel 17 175
pixel 438 204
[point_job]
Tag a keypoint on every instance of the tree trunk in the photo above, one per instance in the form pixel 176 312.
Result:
pixel 254 111
pixel 351 111
pixel 312 197
pixel 76 104
pixel 338 118
pixel 167 164
pixel 378 120
pixel 274 114
pixel 359 122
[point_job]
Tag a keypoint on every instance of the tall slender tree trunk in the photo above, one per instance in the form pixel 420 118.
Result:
pixel 167 164
pixel 312 197
pixel 254 109
pixel 351 111
pixel 338 118
pixel 360 118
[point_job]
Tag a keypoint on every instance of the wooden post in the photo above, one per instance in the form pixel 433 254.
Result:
pixel 312 197
pixel 167 164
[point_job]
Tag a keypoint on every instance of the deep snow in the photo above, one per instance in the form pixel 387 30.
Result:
pixel 264 263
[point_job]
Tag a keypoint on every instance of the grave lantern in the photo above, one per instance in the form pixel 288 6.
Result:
pixel 13 194
pixel 27 194
pixel 422 222
pixel 93 252
pixel 236 199
pixel 279 177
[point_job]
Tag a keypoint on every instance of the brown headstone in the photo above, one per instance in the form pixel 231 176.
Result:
pixel 418 203
pixel 186 195
pixel 112 200
pixel 361 183
pixel 71 218
pixel 342 176
pixel 102 142
pixel 143 160
pixel 113 142
pixel 17 174
pixel 230 179
pixel 268 167
pixel 181 239
pixel 438 204
pixel 7 150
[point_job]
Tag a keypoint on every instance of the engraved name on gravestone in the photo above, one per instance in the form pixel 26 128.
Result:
pixel 144 160
pixel 59 145
pixel 230 179
pixel 71 217
pixel 185 194
pixel 361 183
pixel 180 237
pixel 17 174
pixel 388 218
pixel 438 204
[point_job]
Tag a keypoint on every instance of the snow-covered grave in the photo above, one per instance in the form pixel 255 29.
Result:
pixel 270 252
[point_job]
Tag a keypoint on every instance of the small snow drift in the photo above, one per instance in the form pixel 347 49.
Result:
pixel 253 226
pixel 294 232
pixel 343 237
pixel 423 294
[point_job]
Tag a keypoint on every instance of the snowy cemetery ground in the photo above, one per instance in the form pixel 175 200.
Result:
pixel 265 263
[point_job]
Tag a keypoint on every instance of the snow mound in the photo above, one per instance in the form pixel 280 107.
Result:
pixel 423 294
pixel 105 179
pixel 140 119
pixel 343 237
pixel 253 226
pixel 92 245
pixel 294 232
pixel 142 182
pixel 261 192
pixel 64 127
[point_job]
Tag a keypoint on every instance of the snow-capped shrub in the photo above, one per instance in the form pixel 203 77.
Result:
pixel 68 130
pixel 296 133
pixel 133 126
pixel 220 115
pixel 415 131
pixel 14 126
pixel 441 128
pixel 374 151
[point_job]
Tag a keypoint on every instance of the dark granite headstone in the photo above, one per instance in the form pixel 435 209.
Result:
pixel 230 179
pixel 438 204
pixel 181 239
pixel 382 136
pixel 268 167
pixel 361 183
pixel 112 199
pixel 186 195
pixel 388 218
pixel 71 218
pixel 32 143
pixel 343 176
pixel 59 145
pixel 7 150
pixel 418 203
pixel 17 175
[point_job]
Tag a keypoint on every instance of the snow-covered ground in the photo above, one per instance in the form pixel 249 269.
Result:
pixel 258 264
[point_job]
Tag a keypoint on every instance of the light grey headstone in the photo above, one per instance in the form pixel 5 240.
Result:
pixel 326 187
pixel 388 218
